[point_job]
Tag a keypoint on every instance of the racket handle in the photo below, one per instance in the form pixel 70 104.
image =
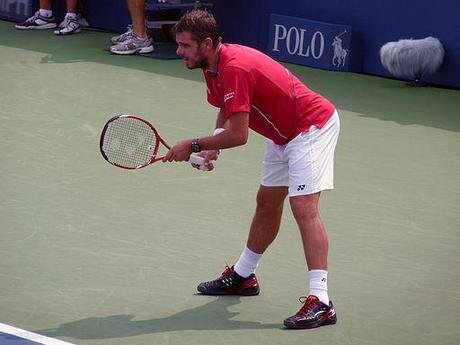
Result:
pixel 196 159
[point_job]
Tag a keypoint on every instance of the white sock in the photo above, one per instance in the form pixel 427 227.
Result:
pixel 318 285
pixel 46 13
pixel 247 263
pixel 71 15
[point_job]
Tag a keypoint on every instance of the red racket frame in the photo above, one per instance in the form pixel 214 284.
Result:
pixel 155 150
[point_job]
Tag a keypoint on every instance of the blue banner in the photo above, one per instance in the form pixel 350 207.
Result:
pixel 310 43
pixel 17 10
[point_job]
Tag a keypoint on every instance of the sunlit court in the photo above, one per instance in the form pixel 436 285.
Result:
pixel 95 254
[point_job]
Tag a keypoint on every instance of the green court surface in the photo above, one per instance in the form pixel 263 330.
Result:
pixel 92 254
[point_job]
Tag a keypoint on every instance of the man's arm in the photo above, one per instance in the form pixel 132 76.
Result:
pixel 221 120
pixel 235 134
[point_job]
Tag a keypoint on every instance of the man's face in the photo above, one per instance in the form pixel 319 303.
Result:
pixel 192 52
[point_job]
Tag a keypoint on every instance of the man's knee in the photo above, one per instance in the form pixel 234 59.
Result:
pixel 305 207
pixel 270 199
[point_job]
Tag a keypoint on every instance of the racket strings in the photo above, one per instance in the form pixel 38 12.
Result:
pixel 129 142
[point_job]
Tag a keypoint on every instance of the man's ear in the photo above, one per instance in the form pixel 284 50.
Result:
pixel 208 43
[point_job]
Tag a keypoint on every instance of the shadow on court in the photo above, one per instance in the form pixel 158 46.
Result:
pixel 211 316
pixel 386 99
pixel 91 46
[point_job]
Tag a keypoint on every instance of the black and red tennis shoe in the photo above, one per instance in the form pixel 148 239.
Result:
pixel 230 283
pixel 313 313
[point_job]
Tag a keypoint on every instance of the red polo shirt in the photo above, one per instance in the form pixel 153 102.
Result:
pixel 280 106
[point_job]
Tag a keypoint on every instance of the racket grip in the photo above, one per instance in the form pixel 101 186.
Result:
pixel 196 159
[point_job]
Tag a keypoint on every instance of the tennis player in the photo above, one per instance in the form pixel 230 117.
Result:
pixel 253 91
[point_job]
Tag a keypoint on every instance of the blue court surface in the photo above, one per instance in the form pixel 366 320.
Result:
pixel 15 336
pixel 8 339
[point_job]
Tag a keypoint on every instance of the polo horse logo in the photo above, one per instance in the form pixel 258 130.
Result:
pixel 340 54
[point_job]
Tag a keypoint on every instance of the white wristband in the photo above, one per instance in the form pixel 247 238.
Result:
pixel 218 130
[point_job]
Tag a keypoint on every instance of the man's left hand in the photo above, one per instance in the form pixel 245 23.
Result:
pixel 209 156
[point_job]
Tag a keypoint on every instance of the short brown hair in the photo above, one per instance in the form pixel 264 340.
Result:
pixel 201 24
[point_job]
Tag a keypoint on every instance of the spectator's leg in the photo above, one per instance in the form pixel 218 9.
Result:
pixel 45 4
pixel 72 6
pixel 137 12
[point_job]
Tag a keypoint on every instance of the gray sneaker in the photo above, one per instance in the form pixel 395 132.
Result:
pixel 124 36
pixel 133 45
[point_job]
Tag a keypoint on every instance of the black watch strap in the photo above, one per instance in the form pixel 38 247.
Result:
pixel 195 146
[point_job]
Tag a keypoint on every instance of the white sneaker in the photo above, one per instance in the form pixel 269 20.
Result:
pixel 124 36
pixel 82 21
pixel 37 21
pixel 72 27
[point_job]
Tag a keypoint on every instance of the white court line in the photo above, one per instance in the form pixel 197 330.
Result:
pixel 30 336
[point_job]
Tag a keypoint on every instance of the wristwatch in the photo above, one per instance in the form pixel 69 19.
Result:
pixel 195 146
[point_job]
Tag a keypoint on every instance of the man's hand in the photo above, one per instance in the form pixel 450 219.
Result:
pixel 209 156
pixel 181 151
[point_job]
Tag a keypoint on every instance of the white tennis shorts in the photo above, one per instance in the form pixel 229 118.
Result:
pixel 306 163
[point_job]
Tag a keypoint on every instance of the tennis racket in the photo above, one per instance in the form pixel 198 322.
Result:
pixel 130 142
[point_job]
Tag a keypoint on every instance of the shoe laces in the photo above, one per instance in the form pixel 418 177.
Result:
pixel 223 279
pixel 34 17
pixel 227 271
pixel 129 31
pixel 68 18
pixel 72 24
pixel 128 35
pixel 228 277
pixel 308 304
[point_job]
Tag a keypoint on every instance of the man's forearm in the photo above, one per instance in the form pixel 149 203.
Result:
pixel 235 134
pixel 221 120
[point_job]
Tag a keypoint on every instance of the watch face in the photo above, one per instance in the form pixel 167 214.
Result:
pixel 195 146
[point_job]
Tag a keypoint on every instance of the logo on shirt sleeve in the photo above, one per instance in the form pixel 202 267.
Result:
pixel 228 96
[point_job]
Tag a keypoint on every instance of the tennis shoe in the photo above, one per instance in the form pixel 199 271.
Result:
pixel 72 26
pixel 230 283
pixel 313 313
pixel 133 45
pixel 82 21
pixel 37 22
pixel 124 36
